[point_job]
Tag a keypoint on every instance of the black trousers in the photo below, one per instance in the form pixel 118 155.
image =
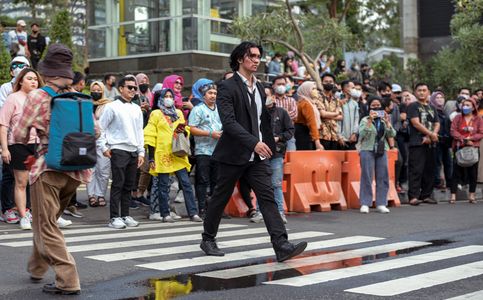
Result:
pixel 245 192
pixel 123 168
pixel 205 176
pixel 330 145
pixel 8 186
pixel 421 165
pixel 460 172
pixel 258 175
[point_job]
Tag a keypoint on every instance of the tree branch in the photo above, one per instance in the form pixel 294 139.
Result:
pixel 319 54
pixel 285 44
pixel 298 32
pixel 346 10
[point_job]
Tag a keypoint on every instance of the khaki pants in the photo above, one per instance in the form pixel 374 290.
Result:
pixel 50 195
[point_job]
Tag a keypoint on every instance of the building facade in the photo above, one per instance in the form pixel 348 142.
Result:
pixel 191 38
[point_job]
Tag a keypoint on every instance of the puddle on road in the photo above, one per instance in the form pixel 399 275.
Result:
pixel 181 285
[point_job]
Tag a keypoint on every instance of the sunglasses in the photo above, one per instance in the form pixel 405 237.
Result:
pixel 178 82
pixel 19 66
pixel 131 87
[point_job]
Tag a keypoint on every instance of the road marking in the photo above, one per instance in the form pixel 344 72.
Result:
pixel 195 248
pixel 309 261
pixel 120 235
pixel 471 296
pixel 326 276
pixel 161 240
pixel 260 253
pixel 421 281
pixel 70 231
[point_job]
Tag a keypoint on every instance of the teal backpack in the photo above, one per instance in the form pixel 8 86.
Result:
pixel 72 141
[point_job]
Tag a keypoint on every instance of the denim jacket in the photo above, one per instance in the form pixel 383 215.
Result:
pixel 367 135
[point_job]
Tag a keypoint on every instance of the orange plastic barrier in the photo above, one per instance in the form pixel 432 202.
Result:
pixel 236 207
pixel 351 174
pixel 314 180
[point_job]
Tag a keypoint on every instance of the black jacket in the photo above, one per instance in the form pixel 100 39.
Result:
pixel 283 128
pixel 237 143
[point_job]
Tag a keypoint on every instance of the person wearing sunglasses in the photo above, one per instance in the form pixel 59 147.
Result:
pixel 122 140
pixel 16 66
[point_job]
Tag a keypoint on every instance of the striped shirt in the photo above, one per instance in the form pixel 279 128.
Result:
pixel 36 114
pixel 289 104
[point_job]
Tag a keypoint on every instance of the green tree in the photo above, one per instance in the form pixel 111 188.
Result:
pixel 307 35
pixel 60 28
pixel 4 63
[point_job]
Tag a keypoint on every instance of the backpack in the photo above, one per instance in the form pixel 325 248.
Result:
pixel 72 141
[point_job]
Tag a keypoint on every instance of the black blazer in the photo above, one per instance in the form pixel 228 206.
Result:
pixel 237 143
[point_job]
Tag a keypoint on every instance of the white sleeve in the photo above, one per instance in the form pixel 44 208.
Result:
pixel 140 133
pixel 104 122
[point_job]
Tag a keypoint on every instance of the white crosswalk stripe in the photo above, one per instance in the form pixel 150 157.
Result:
pixel 243 255
pixel 471 296
pixel 420 281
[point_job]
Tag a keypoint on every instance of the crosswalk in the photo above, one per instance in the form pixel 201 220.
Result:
pixel 173 248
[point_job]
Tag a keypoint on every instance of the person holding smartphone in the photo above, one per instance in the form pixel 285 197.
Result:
pixel 373 133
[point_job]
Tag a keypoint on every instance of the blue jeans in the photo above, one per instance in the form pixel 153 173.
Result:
pixel 163 192
pixel 370 165
pixel 291 145
pixel 277 176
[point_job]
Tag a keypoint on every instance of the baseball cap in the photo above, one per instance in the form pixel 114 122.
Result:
pixel 396 88
pixel 21 23
pixel 20 59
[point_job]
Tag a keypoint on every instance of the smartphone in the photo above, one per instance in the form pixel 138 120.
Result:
pixel 380 113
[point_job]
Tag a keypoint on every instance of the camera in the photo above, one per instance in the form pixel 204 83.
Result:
pixel 380 113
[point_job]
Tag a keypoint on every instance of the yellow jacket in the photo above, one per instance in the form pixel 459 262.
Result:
pixel 159 134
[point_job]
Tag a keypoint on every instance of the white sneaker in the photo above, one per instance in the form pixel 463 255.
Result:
pixel 63 223
pixel 168 219
pixel 284 218
pixel 25 223
pixel 257 218
pixel 117 223
pixel 383 209
pixel 130 222
pixel 364 209
pixel 196 218
pixel 174 216
pixel 155 217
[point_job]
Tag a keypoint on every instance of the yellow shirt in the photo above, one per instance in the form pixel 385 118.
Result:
pixel 159 134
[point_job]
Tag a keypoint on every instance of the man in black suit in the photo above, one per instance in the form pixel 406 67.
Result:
pixel 244 150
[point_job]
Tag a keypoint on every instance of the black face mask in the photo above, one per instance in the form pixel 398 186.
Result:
pixel 328 86
pixel 399 98
pixel 143 88
pixel 96 95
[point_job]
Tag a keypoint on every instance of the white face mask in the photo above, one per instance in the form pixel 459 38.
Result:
pixel 280 89
pixel 168 102
pixel 356 94
pixel 16 72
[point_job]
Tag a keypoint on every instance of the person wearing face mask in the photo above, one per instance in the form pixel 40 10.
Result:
pixel 443 154
pixel 110 90
pixel 283 101
pixel 331 113
pixel 467 131
pixel 374 130
pixel 164 122
pixel 36 44
pixel 349 126
pixel 308 119
pixel 205 126
pixel 16 66
pixel 451 106
pixel 97 188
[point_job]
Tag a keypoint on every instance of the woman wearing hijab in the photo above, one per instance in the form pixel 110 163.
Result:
pixel 443 154
pixel 163 124
pixel 144 91
pixel 97 188
pixel 373 133
pixel 176 83
pixel 467 131
pixel 197 97
pixel 308 120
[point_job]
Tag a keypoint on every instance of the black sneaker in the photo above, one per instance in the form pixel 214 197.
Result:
pixel 133 205
pixel 80 205
pixel 210 248
pixel 143 201
pixel 50 288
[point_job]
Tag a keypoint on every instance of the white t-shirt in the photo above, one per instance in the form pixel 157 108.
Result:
pixel 19 38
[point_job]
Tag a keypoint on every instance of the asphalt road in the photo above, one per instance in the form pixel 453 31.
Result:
pixel 436 252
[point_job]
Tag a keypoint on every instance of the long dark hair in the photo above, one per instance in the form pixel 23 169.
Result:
pixel 239 53
pixel 17 86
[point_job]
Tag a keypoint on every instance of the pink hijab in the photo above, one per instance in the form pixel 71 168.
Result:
pixel 149 95
pixel 168 83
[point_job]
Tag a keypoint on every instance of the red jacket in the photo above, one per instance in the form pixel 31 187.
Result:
pixel 458 135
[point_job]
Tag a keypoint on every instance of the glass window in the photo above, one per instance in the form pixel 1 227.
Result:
pixel 218 27
pixel 225 9
pixel 97 42
pixel 163 8
pixel 144 37
pixel 190 34
pixel 135 10
pixel 222 47
pixel 259 6
pixel 190 7
pixel 97 13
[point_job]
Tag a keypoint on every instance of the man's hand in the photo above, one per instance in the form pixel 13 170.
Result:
pixel 263 150
pixel 216 135
pixel 318 146
pixel 188 105
pixel 140 161
pixel 145 106
pixel 107 153
pixel 434 137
